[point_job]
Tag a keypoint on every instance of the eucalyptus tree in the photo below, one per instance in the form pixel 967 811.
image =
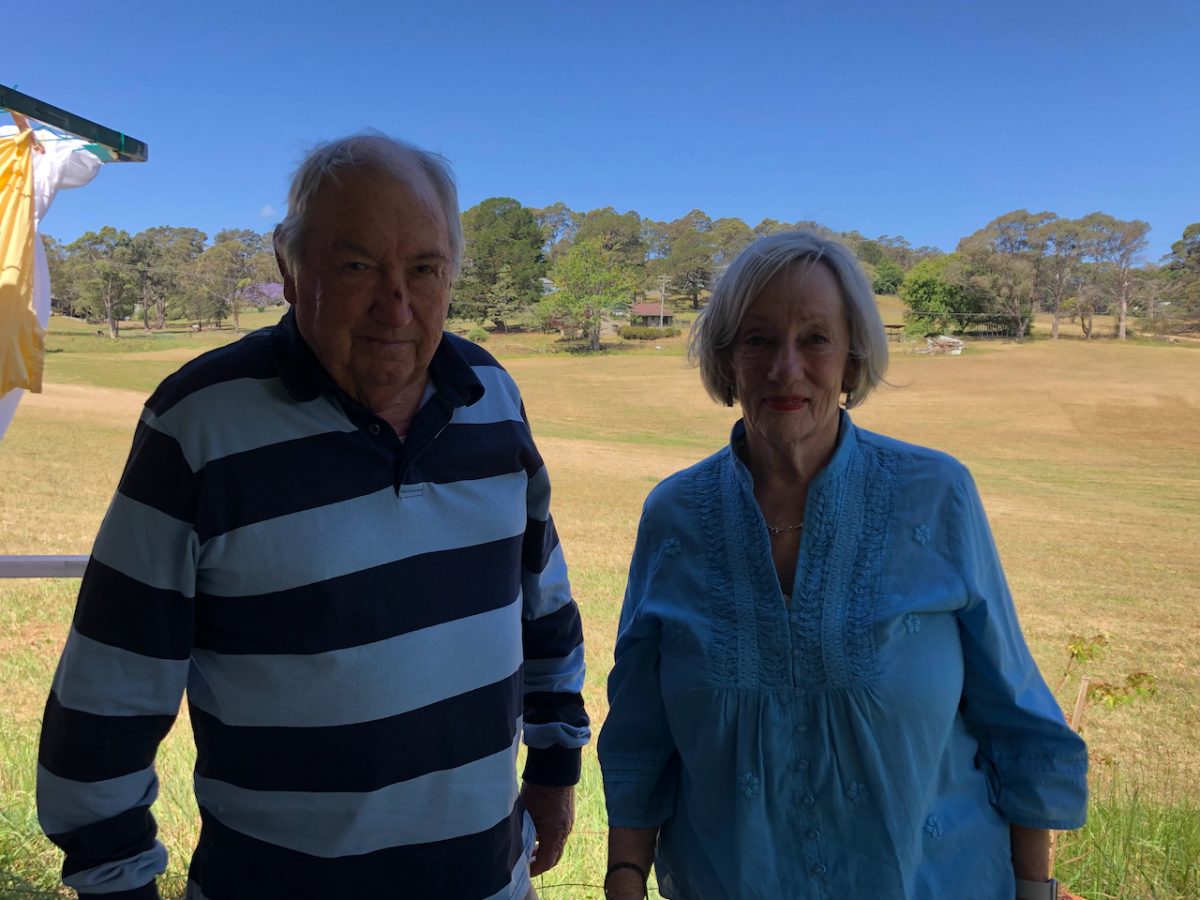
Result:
pixel 102 267
pixel 1116 245
pixel 1003 258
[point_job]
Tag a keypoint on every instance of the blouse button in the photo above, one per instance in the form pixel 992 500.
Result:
pixel 813 834
pixel 802 765
pixel 373 428
pixel 809 799
pixel 818 869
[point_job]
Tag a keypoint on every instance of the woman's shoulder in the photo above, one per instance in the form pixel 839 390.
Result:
pixel 682 484
pixel 912 458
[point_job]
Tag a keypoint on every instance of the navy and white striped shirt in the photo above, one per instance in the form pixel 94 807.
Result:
pixel 364 627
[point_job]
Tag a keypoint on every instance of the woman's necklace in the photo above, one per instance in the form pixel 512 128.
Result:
pixel 776 530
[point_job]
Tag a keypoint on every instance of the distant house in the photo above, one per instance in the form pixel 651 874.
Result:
pixel 648 314
pixel 267 293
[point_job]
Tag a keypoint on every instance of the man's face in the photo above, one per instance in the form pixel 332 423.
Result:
pixel 373 284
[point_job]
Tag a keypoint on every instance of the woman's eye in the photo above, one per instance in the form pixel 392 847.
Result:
pixel 754 340
pixel 355 266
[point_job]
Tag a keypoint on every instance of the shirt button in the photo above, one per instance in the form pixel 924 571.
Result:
pixel 818 869
pixel 373 428
pixel 809 799
pixel 802 765
pixel 813 834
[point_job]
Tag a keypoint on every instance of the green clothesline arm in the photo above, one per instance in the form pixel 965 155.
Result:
pixel 125 148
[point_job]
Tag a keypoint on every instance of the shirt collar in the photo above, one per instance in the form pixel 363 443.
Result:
pixel 305 379
pixel 843 451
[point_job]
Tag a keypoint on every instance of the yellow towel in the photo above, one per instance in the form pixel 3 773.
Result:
pixel 21 336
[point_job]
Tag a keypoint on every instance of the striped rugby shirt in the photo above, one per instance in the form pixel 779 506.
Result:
pixel 364 628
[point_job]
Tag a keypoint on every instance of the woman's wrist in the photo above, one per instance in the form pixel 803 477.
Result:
pixel 625 881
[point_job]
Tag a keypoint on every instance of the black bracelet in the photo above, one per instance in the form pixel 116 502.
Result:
pixel 627 865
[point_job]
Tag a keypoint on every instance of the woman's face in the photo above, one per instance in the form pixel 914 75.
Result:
pixel 790 361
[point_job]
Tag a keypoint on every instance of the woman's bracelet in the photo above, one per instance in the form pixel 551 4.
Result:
pixel 616 867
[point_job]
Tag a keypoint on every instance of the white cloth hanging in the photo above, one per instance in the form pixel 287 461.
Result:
pixel 64 165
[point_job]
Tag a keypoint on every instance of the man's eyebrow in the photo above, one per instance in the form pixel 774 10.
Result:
pixel 355 247
pixel 352 246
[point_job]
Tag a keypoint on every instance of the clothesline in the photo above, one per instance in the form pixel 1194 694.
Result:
pixel 123 147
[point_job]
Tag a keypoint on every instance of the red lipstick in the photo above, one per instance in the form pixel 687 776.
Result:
pixel 789 403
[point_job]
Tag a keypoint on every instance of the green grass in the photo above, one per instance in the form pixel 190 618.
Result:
pixel 1136 844
pixel 1085 454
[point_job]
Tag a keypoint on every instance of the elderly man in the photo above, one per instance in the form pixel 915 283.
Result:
pixel 335 534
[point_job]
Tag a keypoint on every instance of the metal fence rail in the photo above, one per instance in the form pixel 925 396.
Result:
pixel 42 566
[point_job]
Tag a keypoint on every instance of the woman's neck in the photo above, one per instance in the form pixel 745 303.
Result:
pixel 786 468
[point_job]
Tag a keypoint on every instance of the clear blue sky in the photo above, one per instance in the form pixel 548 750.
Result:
pixel 920 118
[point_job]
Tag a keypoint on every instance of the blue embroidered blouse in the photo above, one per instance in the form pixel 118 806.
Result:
pixel 873 736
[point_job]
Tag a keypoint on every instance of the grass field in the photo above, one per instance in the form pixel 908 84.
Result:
pixel 1087 456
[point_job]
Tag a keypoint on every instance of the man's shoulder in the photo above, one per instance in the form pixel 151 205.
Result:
pixel 498 386
pixel 473 355
pixel 249 357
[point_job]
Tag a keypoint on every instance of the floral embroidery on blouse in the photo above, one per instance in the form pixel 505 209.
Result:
pixel 748 784
pixel 933 827
pixel 856 791
pixel 922 534
pixel 912 622
pixel 671 547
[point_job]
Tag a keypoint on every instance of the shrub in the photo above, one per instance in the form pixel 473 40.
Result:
pixel 478 334
pixel 647 333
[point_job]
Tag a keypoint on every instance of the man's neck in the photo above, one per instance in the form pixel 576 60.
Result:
pixel 399 410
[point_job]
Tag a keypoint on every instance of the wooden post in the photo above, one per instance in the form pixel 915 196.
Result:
pixel 1076 723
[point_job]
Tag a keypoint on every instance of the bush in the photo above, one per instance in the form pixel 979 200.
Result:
pixel 478 334
pixel 647 333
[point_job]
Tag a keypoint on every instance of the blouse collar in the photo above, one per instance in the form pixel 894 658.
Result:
pixel 843 452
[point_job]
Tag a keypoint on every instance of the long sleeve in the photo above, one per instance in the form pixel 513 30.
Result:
pixel 1038 765
pixel 121 677
pixel 555 723
pixel 637 754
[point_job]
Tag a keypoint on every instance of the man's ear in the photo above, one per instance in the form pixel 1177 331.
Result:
pixel 289 283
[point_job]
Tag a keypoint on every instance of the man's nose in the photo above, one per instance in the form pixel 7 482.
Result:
pixel 394 305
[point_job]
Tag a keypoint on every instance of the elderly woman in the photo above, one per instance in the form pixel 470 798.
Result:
pixel 821 688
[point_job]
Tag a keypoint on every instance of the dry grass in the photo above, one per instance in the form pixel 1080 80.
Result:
pixel 1086 456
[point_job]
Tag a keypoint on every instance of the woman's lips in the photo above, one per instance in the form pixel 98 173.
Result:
pixel 789 403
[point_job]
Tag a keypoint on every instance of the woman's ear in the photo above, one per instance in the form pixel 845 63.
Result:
pixel 849 375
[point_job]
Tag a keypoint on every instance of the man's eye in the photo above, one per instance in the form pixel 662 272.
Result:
pixel 426 269
pixel 355 266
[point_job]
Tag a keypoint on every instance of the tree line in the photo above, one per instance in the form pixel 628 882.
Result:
pixel 557 267
pixel 1022 263
pixel 158 274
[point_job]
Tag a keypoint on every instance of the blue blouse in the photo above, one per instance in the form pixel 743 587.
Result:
pixel 873 736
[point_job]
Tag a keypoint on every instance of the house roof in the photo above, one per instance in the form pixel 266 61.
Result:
pixel 650 309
